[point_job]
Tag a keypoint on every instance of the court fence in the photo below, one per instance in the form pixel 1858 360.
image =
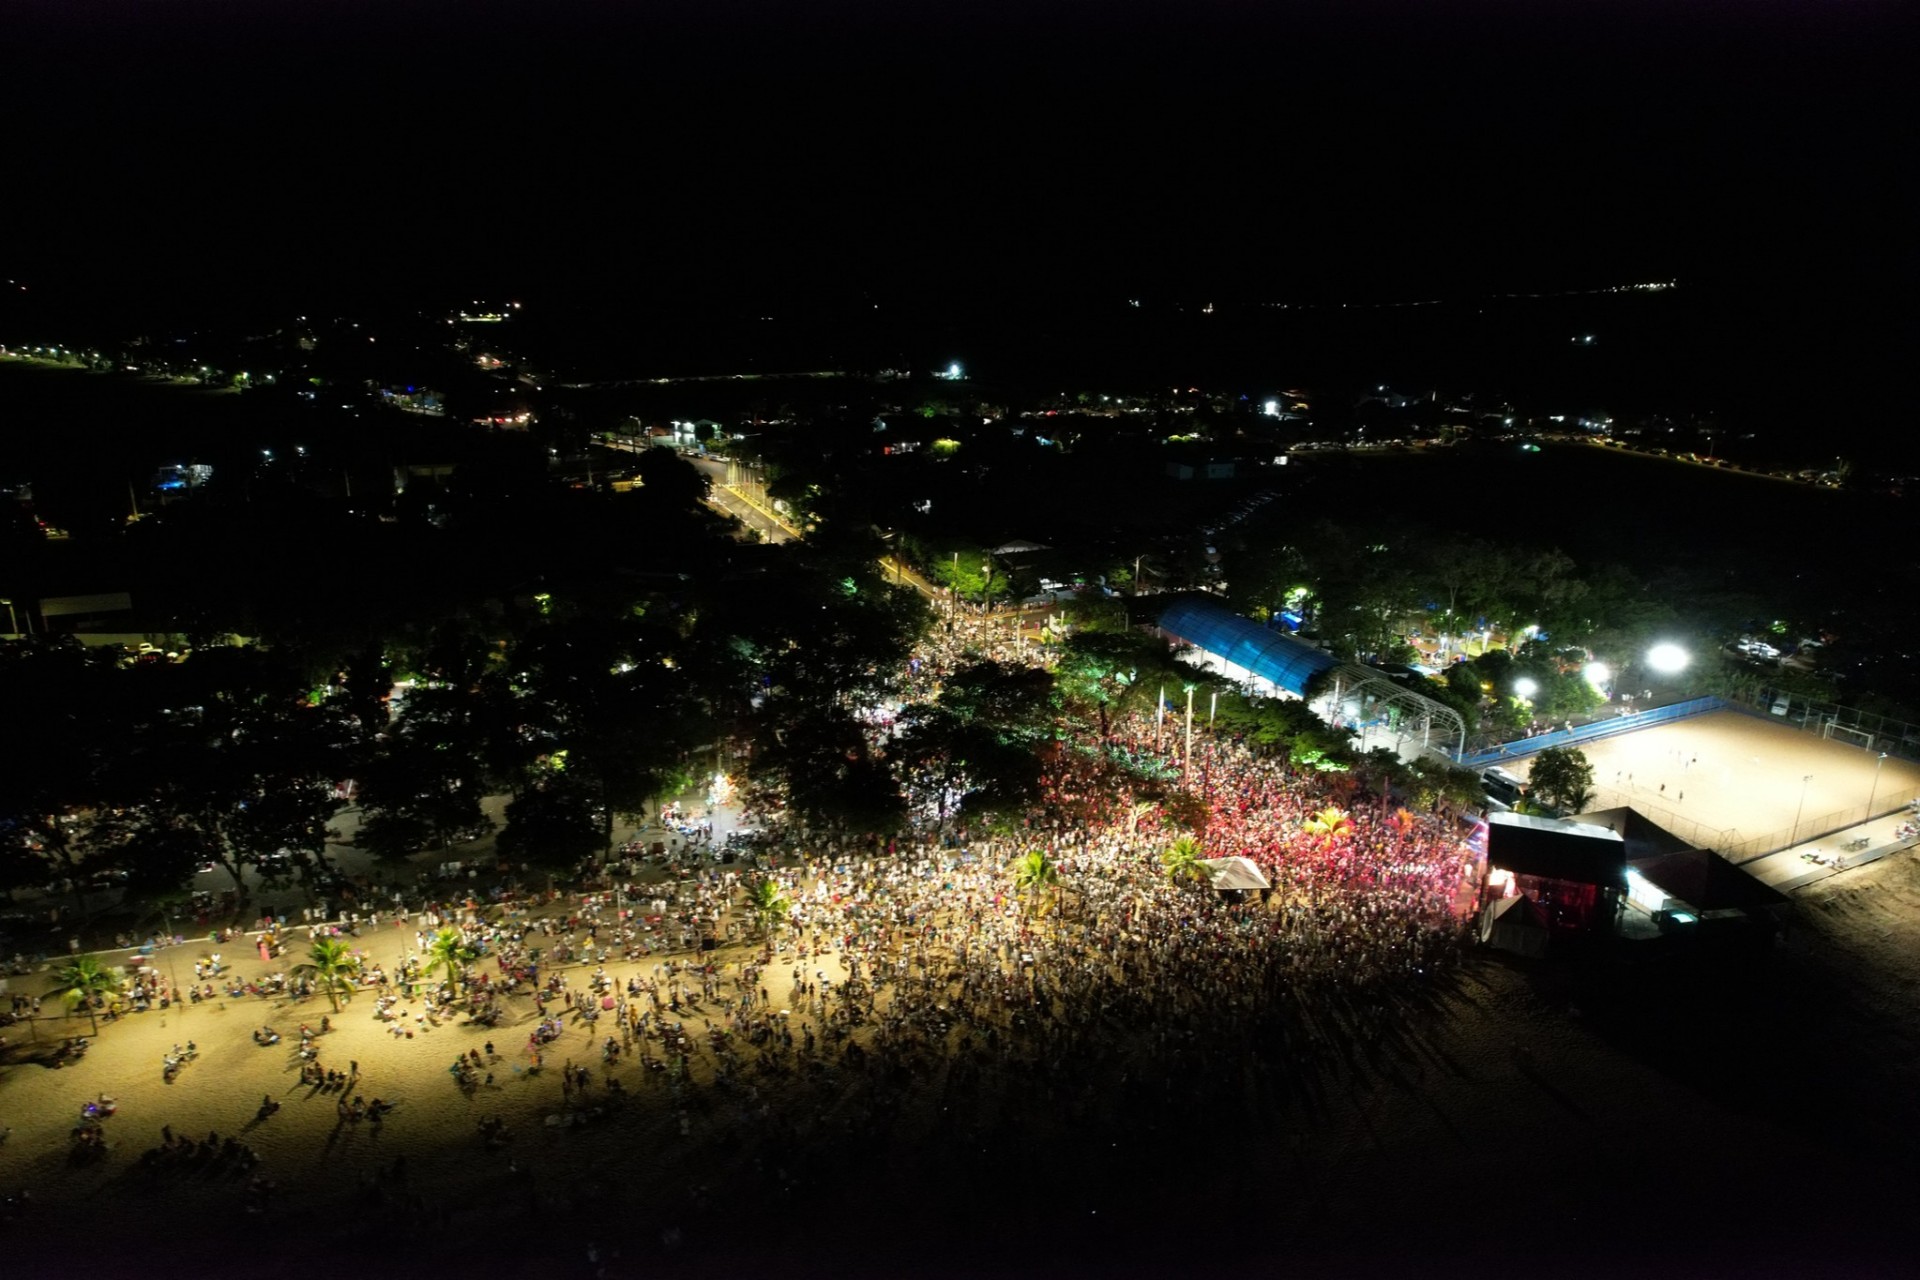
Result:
pixel 1594 731
pixel 1868 730
pixel 1737 844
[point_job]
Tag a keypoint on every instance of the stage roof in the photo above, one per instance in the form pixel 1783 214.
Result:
pixel 1557 850
pixel 1287 662
pixel 1707 881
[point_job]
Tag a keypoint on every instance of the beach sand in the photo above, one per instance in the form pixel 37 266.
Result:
pixel 1577 1121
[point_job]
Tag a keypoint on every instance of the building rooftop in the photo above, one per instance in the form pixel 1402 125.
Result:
pixel 1272 655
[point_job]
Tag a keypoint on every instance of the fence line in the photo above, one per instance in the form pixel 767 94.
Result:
pixel 1611 727
pixel 1737 845
pixel 1828 719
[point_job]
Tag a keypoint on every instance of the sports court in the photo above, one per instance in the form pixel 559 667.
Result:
pixel 1741 784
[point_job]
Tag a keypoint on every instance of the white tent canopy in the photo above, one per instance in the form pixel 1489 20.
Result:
pixel 1234 873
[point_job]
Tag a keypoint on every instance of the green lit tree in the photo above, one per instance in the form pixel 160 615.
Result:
pixel 768 904
pixel 1035 877
pixel 83 980
pixel 448 951
pixel 330 964
pixel 1563 778
pixel 1182 861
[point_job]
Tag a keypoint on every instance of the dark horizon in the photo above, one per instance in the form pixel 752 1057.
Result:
pixel 993 178
pixel 756 150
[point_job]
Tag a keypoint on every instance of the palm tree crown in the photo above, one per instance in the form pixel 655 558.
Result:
pixel 448 950
pixel 330 964
pixel 1182 860
pixel 767 903
pixel 1330 821
pixel 1034 874
pixel 83 978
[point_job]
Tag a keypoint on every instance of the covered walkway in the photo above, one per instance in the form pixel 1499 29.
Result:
pixel 1380 711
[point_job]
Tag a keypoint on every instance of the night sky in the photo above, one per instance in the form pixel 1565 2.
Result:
pixel 183 151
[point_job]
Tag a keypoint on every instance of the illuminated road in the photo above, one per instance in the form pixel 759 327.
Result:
pixel 731 502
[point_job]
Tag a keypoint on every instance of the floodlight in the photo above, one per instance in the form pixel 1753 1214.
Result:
pixel 1668 659
pixel 1525 687
pixel 1597 674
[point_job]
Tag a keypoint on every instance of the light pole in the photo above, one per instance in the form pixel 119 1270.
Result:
pixel 1795 837
pixel 1186 761
pixel 1876 782
pixel 173 972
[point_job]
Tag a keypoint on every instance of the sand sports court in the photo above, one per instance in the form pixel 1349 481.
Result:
pixel 1740 783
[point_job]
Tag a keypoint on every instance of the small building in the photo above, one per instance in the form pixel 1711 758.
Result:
pixel 1211 469
pixel 1681 887
pixel 1696 895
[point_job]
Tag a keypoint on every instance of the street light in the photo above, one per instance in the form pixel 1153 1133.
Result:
pixel 1524 688
pixel 1795 837
pixel 173 972
pixel 1876 782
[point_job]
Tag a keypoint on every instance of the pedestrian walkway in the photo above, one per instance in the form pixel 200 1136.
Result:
pixel 1816 860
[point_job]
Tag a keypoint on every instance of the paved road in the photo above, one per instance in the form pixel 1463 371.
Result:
pixel 732 503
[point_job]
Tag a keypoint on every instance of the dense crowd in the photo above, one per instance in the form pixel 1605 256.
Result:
pixel 912 969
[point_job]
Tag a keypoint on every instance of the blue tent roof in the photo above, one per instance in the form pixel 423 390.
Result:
pixel 1288 662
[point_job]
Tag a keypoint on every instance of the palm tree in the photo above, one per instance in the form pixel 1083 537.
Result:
pixel 767 903
pixel 1330 821
pixel 1034 874
pixel 449 950
pixel 329 963
pixel 81 980
pixel 1182 860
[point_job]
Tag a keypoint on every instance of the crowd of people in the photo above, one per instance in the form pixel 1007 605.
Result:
pixel 913 967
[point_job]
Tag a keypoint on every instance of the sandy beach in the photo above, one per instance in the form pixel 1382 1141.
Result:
pixel 1504 1108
